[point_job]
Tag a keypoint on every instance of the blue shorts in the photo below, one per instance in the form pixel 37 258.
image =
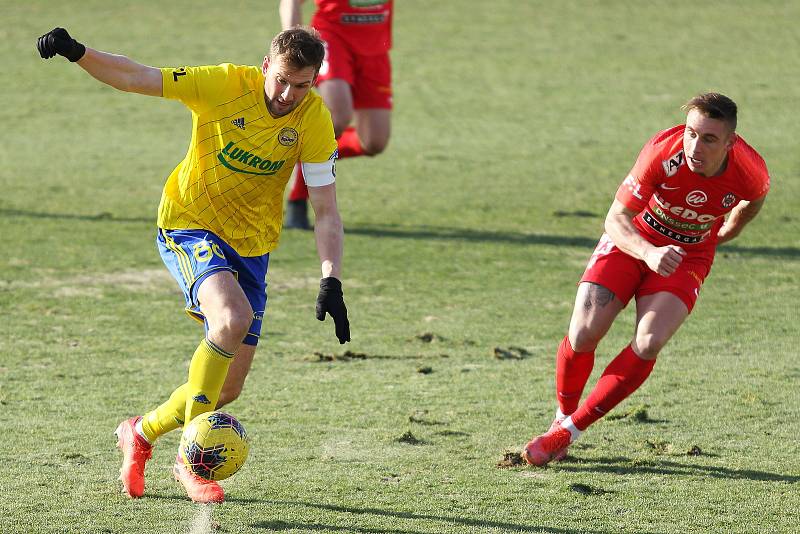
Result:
pixel 192 255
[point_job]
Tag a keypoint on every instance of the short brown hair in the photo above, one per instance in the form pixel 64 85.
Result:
pixel 714 106
pixel 301 47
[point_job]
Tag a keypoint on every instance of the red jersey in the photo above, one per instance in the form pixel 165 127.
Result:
pixel 365 25
pixel 679 207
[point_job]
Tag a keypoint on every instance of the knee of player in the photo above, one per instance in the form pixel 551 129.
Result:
pixel 373 147
pixel 583 338
pixel 648 345
pixel 234 321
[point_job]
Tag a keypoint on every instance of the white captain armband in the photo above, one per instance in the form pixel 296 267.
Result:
pixel 319 174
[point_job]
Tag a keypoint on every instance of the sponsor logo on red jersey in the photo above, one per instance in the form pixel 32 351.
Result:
pixel 363 18
pixel 684 212
pixel 728 200
pixel 696 198
pixel 673 163
pixel 633 186
pixel 669 232
pixel 366 3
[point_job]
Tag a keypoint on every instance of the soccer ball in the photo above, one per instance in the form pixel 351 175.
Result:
pixel 214 445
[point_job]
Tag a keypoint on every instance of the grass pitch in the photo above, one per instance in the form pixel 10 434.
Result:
pixel 514 123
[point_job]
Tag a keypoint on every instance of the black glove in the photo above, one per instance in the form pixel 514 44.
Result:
pixel 59 42
pixel 330 300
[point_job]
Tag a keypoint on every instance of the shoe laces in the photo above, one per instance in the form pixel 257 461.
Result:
pixel 561 438
pixel 141 450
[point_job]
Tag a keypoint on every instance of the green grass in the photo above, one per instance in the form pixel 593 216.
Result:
pixel 514 123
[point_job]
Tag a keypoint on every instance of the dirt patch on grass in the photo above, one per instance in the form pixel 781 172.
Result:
pixel 585 489
pixel 694 451
pixel 428 337
pixel 75 458
pixel 511 352
pixel 511 459
pixel 346 356
pixel 658 446
pixel 349 355
pixel 411 439
pixel 637 414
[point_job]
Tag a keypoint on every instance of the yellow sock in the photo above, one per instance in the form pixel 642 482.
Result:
pixel 207 373
pixel 166 417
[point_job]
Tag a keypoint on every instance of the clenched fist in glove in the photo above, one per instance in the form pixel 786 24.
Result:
pixel 331 300
pixel 58 41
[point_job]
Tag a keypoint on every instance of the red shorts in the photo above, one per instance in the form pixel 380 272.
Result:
pixel 369 77
pixel 626 276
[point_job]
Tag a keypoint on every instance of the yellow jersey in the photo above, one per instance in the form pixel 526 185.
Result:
pixel 240 158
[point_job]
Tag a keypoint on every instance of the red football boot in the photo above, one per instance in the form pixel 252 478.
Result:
pixel 135 453
pixel 199 489
pixel 548 446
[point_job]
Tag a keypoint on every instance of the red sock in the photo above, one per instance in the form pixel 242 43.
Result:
pixel 572 372
pixel 299 190
pixel 622 377
pixel 350 144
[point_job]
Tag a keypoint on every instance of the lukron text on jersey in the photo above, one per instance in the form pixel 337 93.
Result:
pixel 239 159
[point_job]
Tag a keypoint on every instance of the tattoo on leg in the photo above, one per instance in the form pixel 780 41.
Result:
pixel 597 296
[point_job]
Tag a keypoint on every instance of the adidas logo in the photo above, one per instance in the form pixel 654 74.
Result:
pixel 239 123
pixel 202 399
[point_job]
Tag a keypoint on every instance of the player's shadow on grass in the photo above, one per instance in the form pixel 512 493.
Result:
pixel 470 235
pixel 104 216
pixel 425 232
pixel 625 466
pixel 445 233
pixel 465 522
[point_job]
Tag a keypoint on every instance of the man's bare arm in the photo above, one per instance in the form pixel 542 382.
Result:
pixel 117 71
pixel 122 73
pixel 327 229
pixel 744 212
pixel 291 13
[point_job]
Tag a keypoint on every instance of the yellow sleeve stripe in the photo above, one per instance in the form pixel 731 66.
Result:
pixel 184 263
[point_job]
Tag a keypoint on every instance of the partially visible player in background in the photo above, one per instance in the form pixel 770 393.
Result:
pixel 355 80
pixel 221 212
pixel 662 231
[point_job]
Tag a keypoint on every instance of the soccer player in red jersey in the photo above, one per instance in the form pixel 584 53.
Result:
pixel 355 80
pixel 662 230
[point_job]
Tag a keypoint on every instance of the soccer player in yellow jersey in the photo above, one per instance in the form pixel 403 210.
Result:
pixel 221 212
